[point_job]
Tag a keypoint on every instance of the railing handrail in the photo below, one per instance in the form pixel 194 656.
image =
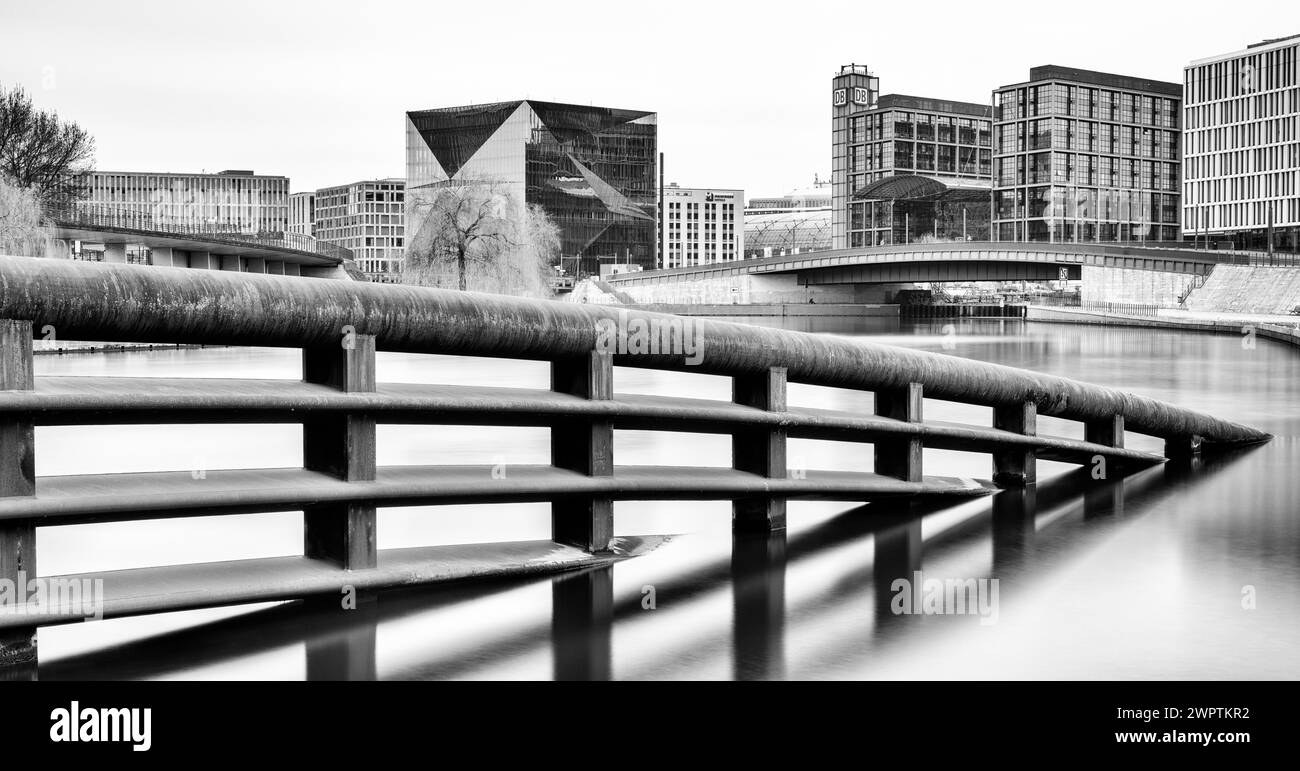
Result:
pixel 129 303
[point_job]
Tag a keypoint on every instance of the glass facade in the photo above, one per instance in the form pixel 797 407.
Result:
pixel 1086 157
pixel 593 169
pixel 234 201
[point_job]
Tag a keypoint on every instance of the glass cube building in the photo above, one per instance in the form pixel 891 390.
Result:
pixel 1086 156
pixel 593 169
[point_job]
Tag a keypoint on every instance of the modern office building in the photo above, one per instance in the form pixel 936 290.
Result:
pixel 906 168
pixel 1085 156
pixel 592 169
pixel 1241 147
pixel 368 218
pixel 235 201
pixel 302 213
pixel 702 225
pixel 797 222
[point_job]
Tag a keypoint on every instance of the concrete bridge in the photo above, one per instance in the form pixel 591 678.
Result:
pixel 1109 272
pixel 339 327
pixel 196 246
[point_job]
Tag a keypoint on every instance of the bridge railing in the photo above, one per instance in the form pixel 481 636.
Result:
pixel 101 216
pixel 340 327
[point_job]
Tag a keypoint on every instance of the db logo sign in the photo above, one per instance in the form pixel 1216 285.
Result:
pixel 861 96
pixel 841 97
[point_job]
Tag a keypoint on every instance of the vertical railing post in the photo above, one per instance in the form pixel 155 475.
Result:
pixel 1106 431
pixel 1016 467
pixel 17 478
pixel 760 451
pixel 343 446
pixel 586 446
pixel 900 458
pixel 1182 449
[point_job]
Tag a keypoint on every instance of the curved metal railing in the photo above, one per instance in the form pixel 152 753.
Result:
pixel 340 326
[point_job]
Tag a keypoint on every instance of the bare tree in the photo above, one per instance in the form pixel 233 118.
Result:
pixel 23 230
pixel 41 152
pixel 478 233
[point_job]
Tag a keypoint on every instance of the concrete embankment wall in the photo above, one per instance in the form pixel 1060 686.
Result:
pixel 753 290
pixel 1139 287
pixel 1277 332
pixel 771 309
pixel 1248 289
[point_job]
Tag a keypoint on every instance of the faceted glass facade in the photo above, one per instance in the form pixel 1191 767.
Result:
pixel 1087 157
pixel 593 169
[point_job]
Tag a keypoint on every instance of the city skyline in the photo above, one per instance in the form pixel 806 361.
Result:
pixel 272 106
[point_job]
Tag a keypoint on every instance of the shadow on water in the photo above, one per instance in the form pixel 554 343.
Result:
pixel 585 611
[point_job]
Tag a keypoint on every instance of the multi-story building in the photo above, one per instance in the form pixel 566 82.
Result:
pixel 1086 156
pixel 302 213
pixel 592 169
pixel 369 219
pixel 815 198
pixel 1241 147
pixel 702 225
pixel 906 168
pixel 236 201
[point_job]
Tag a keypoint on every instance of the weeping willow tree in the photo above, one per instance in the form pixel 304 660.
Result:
pixel 477 235
pixel 23 229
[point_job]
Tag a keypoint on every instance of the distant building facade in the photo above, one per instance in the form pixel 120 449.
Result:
pixel 876 140
pixel 1241 147
pixel 592 169
pixel 302 213
pixel 236 201
pixel 797 222
pixel 369 218
pixel 1087 156
pixel 702 225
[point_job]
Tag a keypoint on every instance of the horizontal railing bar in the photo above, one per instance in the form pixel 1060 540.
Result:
pixel 168 588
pixel 170 494
pixel 109 400
pixel 128 303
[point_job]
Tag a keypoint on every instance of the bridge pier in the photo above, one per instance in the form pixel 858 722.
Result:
pixel 17 478
pixel 1016 467
pixel 760 451
pixel 587 447
pixel 343 446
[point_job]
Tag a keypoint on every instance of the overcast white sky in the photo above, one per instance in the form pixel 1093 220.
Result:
pixel 317 90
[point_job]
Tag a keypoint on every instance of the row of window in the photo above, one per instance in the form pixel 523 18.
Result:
pixel 1243 188
pixel 892 124
pixel 1251 214
pixel 1063 134
pixel 1097 204
pixel 1264 132
pixel 1102 170
pixel 1242 76
pixel 1261 160
pixel 1087 102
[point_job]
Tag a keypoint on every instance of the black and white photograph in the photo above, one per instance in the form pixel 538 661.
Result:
pixel 511 354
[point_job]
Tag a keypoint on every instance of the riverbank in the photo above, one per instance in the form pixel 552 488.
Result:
pixel 770 309
pixel 1271 327
pixel 61 347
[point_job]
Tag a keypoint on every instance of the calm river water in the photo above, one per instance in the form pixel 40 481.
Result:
pixel 1172 573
